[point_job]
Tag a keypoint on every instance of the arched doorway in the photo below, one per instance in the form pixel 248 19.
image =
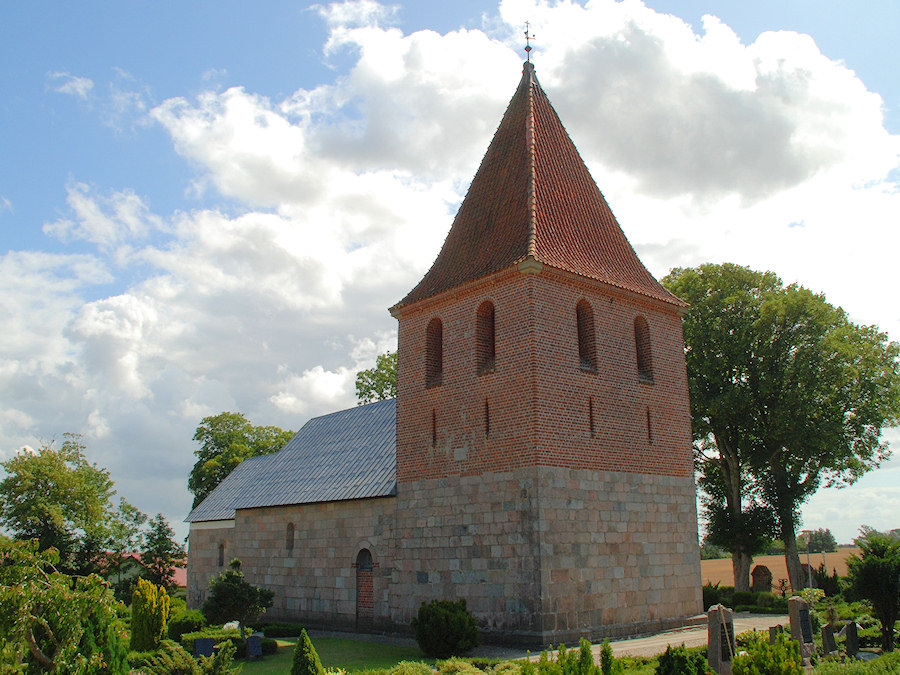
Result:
pixel 365 593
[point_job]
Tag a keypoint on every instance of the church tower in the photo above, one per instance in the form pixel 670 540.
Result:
pixel 544 469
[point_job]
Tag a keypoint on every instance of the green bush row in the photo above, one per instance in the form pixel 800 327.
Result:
pixel 220 635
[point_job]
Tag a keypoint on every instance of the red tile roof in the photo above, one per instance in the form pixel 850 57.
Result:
pixel 533 197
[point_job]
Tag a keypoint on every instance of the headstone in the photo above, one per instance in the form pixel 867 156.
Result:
pixel 773 633
pixel 829 646
pixel 801 627
pixel 203 646
pixel 254 646
pixel 762 579
pixel 808 575
pixel 851 638
pixel 720 638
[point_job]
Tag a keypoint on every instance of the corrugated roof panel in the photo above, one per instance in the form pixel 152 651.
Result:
pixel 349 454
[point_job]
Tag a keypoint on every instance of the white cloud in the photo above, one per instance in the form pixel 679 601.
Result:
pixel 66 83
pixel 5 204
pixel 335 200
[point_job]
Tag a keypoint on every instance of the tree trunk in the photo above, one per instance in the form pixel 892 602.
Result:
pixel 740 565
pixel 791 556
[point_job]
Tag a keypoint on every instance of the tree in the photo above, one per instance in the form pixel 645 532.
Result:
pixel 817 541
pixel 306 660
pixel 161 553
pixel 56 496
pixel 875 575
pixel 378 383
pixel 787 393
pixel 226 440
pixel 233 598
pixel 54 622
pixel 725 300
pixel 124 537
pixel 149 614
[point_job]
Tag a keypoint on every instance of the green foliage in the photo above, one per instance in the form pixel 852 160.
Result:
pixel 681 661
pixel 378 383
pixel 219 635
pixel 186 622
pixel 817 541
pixel 786 395
pixel 444 628
pixel 55 496
pixel 761 658
pixel 411 668
pixel 51 621
pixel 875 576
pixel 889 664
pixel 149 614
pixel 226 440
pixel 830 583
pixel 232 598
pixel 169 658
pixel 456 666
pixel 276 629
pixel 220 662
pixel 306 660
pixel 161 553
pixel 607 661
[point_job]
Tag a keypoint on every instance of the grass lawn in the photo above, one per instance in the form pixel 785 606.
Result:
pixel 336 653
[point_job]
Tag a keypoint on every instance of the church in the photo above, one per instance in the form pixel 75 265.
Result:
pixel 537 459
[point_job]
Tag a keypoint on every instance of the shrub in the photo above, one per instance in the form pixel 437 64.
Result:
pixel 782 658
pixel 410 668
pixel 507 668
pixel 306 660
pixel 220 636
pixel 220 662
pixel 149 613
pixel 887 664
pixel 455 667
pixel 607 662
pixel 745 598
pixel 187 622
pixel 169 659
pixel 444 628
pixel 275 629
pixel 681 661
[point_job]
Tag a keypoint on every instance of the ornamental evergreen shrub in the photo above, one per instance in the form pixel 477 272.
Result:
pixel 444 629
pixel 606 658
pixel 782 658
pixel 169 659
pixel 220 662
pixel 681 661
pixel 412 668
pixel 187 622
pixel 149 613
pixel 306 660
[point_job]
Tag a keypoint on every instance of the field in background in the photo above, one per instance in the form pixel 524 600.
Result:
pixel 719 570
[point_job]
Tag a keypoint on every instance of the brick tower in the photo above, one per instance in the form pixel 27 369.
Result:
pixel 544 466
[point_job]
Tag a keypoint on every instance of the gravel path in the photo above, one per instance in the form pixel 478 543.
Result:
pixel 649 645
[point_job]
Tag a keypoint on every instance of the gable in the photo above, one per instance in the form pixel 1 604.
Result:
pixel 349 454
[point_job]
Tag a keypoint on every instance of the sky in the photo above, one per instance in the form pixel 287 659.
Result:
pixel 209 206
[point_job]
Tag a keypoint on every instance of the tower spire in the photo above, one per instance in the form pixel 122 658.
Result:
pixel 528 38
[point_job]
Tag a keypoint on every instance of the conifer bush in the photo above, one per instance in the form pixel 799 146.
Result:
pixel 606 658
pixel 306 660
pixel 681 661
pixel 782 658
pixel 444 629
pixel 149 614
pixel 169 658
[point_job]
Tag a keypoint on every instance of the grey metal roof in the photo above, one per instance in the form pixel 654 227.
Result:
pixel 349 454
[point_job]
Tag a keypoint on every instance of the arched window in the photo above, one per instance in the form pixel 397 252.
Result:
pixel 485 337
pixel 289 538
pixel 587 346
pixel 222 554
pixel 642 346
pixel 434 353
pixel 365 589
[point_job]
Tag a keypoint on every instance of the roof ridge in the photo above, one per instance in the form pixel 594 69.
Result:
pixel 532 173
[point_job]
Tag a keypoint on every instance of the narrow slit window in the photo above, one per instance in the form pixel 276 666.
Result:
pixel 642 348
pixel 485 337
pixel 487 419
pixel 222 555
pixel 433 428
pixel 649 428
pixel 289 538
pixel 587 347
pixel 591 414
pixel 434 353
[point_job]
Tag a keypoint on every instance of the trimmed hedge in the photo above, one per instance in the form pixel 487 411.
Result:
pixel 275 629
pixel 220 635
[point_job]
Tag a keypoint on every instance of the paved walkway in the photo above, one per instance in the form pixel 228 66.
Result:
pixel 650 645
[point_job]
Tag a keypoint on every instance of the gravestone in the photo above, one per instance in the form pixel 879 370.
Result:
pixel 808 575
pixel 829 646
pixel 254 646
pixel 851 638
pixel 203 646
pixel 801 627
pixel 762 579
pixel 773 633
pixel 720 638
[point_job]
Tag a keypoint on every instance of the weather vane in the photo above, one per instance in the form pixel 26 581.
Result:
pixel 528 38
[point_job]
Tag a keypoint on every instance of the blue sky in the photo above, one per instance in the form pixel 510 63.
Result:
pixel 209 206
